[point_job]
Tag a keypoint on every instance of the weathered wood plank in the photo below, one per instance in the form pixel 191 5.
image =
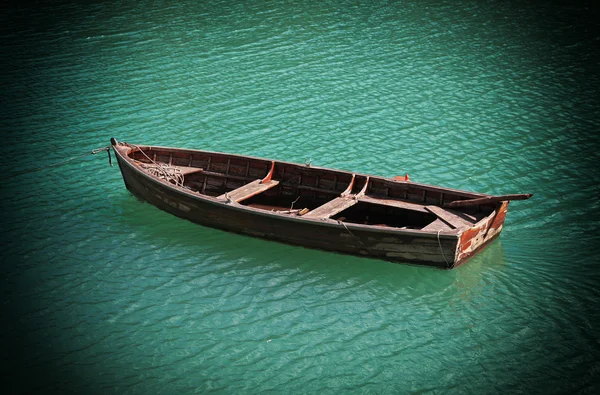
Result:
pixel 451 219
pixel 436 225
pixel 247 191
pixel 331 208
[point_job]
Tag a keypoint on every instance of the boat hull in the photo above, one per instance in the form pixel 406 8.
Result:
pixel 437 249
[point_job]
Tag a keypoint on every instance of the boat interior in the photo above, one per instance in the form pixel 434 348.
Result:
pixel 310 192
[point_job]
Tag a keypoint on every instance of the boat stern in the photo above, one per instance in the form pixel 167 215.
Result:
pixel 476 238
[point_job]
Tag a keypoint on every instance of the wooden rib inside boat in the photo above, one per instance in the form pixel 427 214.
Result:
pixel 391 219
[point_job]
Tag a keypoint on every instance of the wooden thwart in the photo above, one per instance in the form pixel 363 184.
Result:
pixel 331 208
pixel 339 204
pixel 247 191
pixel 453 220
pixel 437 225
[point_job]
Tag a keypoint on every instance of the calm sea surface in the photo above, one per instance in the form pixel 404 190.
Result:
pixel 102 293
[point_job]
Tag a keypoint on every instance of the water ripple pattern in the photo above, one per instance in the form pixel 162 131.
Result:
pixel 103 293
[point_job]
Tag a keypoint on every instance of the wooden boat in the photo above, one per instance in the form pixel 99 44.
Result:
pixel 391 219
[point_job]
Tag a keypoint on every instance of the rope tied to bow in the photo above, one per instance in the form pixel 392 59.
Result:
pixel 61 163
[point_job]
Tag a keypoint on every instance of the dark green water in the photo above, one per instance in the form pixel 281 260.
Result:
pixel 102 293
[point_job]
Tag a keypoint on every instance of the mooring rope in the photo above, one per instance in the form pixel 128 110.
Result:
pixel 64 162
pixel 441 250
pixel 292 206
pixel 340 222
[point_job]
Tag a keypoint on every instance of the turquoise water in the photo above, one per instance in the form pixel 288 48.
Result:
pixel 102 293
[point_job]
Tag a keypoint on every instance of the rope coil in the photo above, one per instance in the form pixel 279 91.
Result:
pixel 162 171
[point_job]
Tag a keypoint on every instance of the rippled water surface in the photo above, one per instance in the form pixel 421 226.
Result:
pixel 102 293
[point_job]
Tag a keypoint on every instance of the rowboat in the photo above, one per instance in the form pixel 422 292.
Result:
pixel 393 219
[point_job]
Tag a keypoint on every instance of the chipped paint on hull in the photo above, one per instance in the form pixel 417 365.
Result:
pixel 478 237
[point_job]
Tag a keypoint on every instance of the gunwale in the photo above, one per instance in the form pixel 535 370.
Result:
pixel 214 200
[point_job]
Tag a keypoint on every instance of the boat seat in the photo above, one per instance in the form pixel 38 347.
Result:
pixel 437 225
pixel 450 218
pixel 248 190
pixel 331 208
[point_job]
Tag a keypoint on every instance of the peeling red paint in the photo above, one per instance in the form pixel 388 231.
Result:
pixel 474 239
